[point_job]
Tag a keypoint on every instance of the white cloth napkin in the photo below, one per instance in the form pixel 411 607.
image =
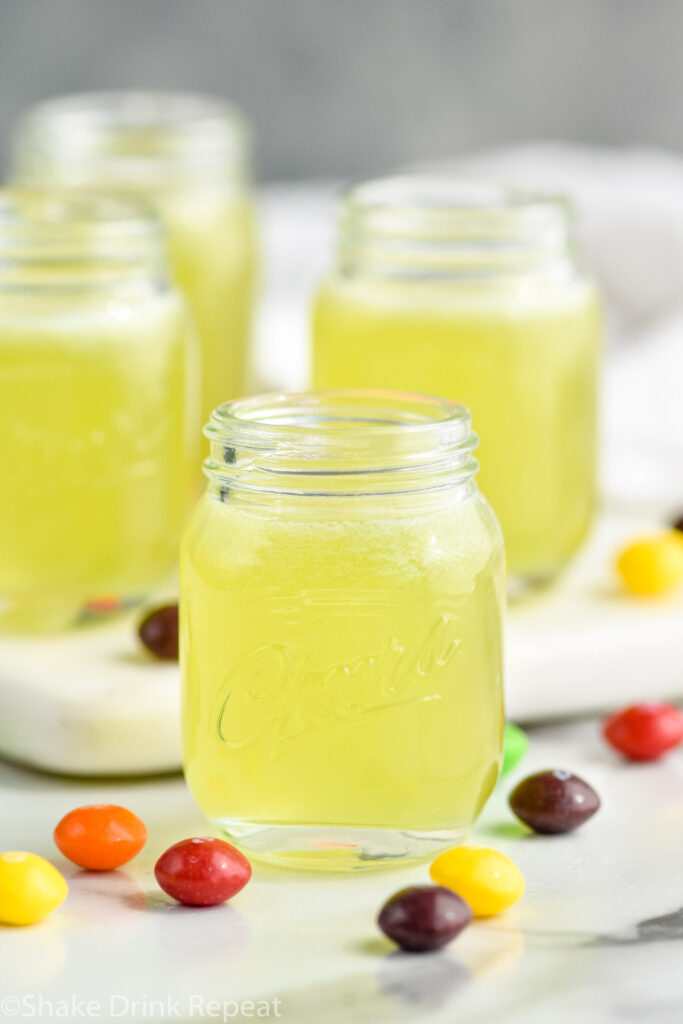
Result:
pixel 630 206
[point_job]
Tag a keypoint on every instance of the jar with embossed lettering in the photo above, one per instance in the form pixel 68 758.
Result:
pixel 341 617
pixel 99 389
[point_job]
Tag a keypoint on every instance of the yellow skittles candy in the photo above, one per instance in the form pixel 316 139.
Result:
pixel 30 888
pixel 484 878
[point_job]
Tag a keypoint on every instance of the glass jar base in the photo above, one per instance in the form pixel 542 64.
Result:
pixel 337 848
pixel 56 614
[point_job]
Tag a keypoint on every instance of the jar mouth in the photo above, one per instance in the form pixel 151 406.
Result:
pixel 442 193
pixel 347 442
pixel 408 224
pixel 61 238
pixel 132 138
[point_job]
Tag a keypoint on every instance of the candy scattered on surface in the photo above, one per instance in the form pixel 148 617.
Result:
pixel 487 880
pixel 202 872
pixel 30 888
pixel 554 801
pixel 424 917
pixel 515 746
pixel 100 837
pixel 643 732
pixel 158 631
pixel 103 605
pixel 652 566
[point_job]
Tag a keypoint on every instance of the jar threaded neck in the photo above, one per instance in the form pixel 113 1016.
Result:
pixel 62 239
pixel 419 226
pixel 347 443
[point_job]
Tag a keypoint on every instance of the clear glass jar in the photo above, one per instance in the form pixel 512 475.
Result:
pixel 98 402
pixel 471 291
pixel 189 155
pixel 341 604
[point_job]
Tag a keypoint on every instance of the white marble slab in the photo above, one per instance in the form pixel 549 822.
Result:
pixel 91 701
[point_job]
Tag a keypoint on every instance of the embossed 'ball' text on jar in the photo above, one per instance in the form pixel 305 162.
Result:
pixel 472 291
pixel 341 604
pixel 189 156
pixel 99 388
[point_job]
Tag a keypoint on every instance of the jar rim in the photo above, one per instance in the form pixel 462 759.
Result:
pixel 316 413
pixel 454 193
pixel 132 136
pixel 32 209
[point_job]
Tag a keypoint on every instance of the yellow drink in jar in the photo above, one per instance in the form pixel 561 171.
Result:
pixel 188 156
pixel 483 305
pixel 530 376
pixel 342 654
pixel 96 410
pixel 212 247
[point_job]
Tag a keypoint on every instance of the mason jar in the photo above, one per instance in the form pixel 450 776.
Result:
pixel 341 604
pixel 189 155
pixel 98 402
pixel 474 292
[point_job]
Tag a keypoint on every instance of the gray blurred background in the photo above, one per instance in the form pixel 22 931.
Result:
pixel 342 87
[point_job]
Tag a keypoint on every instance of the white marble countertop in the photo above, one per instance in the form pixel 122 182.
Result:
pixel 596 937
